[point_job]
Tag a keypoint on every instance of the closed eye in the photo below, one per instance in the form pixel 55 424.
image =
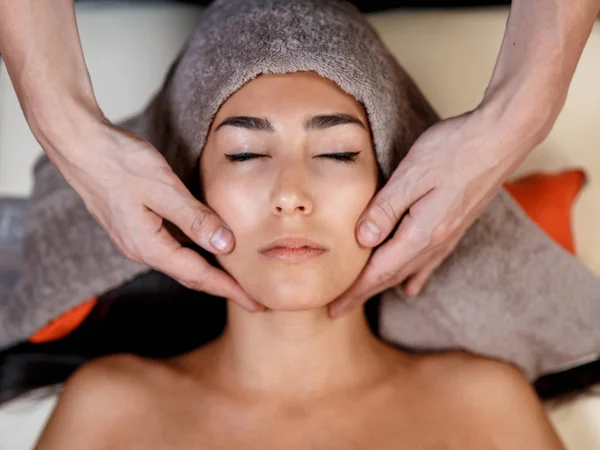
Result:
pixel 239 157
pixel 346 157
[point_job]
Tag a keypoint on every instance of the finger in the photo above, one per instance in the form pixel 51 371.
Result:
pixel 388 266
pixel 386 209
pixel 380 273
pixel 189 268
pixel 196 220
pixel 215 282
pixel 415 283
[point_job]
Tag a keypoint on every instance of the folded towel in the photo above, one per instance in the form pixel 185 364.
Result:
pixel 508 291
pixel 12 219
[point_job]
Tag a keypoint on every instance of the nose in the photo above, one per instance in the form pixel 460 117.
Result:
pixel 291 197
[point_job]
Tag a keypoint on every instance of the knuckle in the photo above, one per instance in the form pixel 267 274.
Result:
pixel 136 259
pixel 386 210
pixel 195 285
pixel 440 234
pixel 124 249
pixel 443 233
pixel 204 276
pixel 136 256
pixel 385 277
pixel 200 281
pixel 198 220
pixel 147 254
pixel 168 177
pixel 417 237
pixel 129 254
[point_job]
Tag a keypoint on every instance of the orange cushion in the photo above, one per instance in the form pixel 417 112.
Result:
pixel 546 198
pixel 65 323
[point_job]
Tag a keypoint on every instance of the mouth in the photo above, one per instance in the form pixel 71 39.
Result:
pixel 293 250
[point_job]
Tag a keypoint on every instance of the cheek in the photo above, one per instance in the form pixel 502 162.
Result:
pixel 348 202
pixel 343 214
pixel 337 207
pixel 236 202
pixel 241 206
pixel 317 283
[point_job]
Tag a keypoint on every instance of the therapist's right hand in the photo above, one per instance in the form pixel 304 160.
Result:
pixel 125 183
pixel 130 189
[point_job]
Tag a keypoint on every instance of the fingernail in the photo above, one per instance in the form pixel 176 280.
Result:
pixel 369 233
pixel 221 239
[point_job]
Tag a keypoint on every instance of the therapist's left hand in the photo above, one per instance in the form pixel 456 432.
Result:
pixel 438 190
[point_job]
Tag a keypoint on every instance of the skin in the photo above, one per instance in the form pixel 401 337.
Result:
pixel 40 46
pixel 293 170
pixel 293 377
pixel 542 44
pixel 458 165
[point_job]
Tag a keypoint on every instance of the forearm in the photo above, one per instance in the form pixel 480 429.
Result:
pixel 40 45
pixel 537 59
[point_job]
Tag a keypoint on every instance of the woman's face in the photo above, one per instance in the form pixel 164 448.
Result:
pixel 291 156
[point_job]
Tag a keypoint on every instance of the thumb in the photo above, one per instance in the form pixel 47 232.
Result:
pixel 197 221
pixel 384 211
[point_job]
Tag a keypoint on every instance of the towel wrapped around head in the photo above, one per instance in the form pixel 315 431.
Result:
pixel 507 291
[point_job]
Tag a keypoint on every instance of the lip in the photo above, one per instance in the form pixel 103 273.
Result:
pixel 293 249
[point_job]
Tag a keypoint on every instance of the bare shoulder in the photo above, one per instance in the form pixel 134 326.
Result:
pixel 496 396
pixel 115 378
pixel 97 397
pixel 471 373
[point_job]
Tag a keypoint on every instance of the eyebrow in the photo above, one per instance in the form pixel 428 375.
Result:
pixel 319 122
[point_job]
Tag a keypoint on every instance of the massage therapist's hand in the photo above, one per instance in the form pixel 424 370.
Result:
pixel 438 190
pixel 130 189
pixel 458 165
pixel 125 183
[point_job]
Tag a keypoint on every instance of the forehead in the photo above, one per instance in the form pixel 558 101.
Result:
pixel 298 92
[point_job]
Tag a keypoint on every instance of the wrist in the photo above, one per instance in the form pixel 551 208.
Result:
pixel 59 122
pixel 542 44
pixel 527 115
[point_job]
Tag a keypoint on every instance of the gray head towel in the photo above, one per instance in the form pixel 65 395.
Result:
pixel 508 291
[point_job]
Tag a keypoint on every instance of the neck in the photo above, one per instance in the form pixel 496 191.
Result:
pixel 299 352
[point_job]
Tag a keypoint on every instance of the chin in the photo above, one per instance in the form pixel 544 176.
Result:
pixel 294 298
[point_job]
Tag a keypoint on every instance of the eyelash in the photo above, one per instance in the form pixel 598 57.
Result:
pixel 345 157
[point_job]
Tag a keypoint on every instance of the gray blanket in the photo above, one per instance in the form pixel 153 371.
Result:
pixel 507 291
